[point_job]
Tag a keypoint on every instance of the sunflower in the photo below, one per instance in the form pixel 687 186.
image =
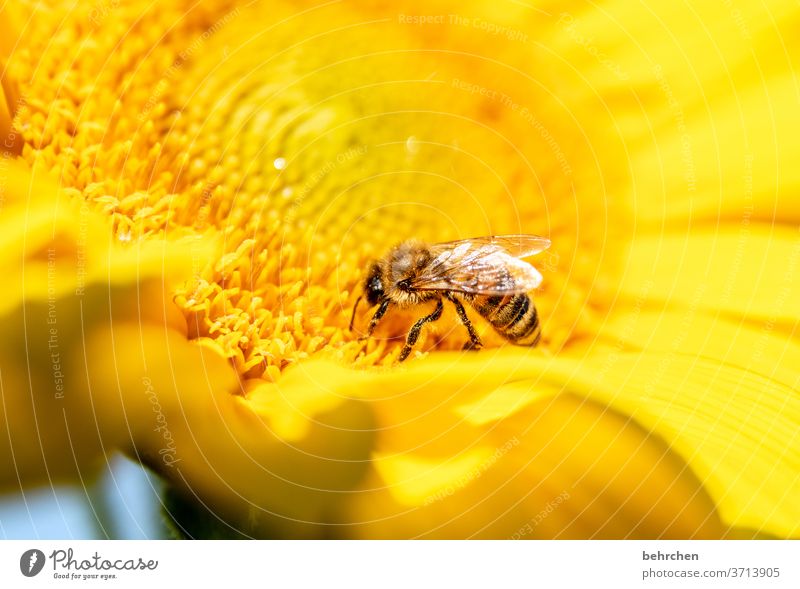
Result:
pixel 190 193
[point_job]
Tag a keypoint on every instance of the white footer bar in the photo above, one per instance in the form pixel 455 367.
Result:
pixel 401 564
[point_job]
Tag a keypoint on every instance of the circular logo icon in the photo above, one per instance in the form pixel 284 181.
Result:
pixel 31 562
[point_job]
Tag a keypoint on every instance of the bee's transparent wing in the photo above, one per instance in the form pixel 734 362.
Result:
pixel 519 246
pixel 483 266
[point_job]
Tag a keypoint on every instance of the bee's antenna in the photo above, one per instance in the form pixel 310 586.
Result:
pixel 353 318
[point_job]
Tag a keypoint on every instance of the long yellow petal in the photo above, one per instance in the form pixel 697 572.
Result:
pixel 561 467
pixel 227 444
pixel 10 98
pixel 65 278
pixel 753 347
pixel 738 430
pixel 716 417
pixel 749 273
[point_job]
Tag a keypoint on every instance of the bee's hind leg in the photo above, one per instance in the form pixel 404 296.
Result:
pixel 413 334
pixel 474 342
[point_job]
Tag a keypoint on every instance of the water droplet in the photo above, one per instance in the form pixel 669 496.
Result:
pixel 279 163
pixel 287 192
pixel 412 145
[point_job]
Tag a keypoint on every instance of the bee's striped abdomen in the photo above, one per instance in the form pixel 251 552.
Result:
pixel 514 317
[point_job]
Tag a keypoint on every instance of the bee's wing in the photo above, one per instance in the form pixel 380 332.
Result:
pixel 519 246
pixel 482 266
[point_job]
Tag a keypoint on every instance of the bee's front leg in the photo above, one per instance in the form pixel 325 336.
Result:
pixel 413 335
pixel 373 323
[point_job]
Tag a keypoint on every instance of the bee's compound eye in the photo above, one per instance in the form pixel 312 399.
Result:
pixel 374 285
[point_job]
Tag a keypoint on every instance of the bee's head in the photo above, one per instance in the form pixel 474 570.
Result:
pixel 373 287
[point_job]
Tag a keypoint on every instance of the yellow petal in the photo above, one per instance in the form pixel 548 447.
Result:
pixel 704 97
pixel 725 165
pixel 748 345
pixel 698 47
pixel 751 273
pixel 10 98
pixel 559 468
pixel 10 28
pixel 716 417
pixel 181 410
pixel 416 480
pixel 66 277
pixel 736 429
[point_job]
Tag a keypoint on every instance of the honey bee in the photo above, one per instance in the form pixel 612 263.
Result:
pixel 486 272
